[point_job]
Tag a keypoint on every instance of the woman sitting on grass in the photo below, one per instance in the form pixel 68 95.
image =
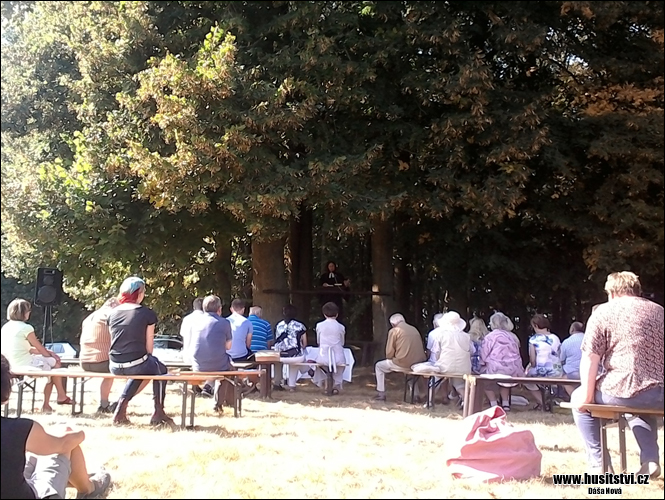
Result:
pixel 53 462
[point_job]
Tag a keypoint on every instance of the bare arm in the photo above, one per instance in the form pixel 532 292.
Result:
pixel 150 338
pixel 41 442
pixel 228 344
pixel 532 355
pixel 248 340
pixel 588 371
pixel 37 347
pixel 303 339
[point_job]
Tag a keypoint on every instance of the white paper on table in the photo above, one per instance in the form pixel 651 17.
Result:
pixel 312 352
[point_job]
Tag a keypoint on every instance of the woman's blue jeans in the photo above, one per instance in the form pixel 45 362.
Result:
pixel 151 366
pixel 645 428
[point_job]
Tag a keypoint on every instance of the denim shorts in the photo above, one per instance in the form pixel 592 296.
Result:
pixel 48 475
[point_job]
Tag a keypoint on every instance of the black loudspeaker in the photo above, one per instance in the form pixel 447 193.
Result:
pixel 48 291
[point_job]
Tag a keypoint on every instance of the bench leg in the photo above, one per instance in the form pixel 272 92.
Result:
pixel 431 387
pixel 191 410
pixel 406 386
pixel 236 398
pixel 603 445
pixel 83 381
pixel 74 387
pixel 34 393
pixel 19 401
pixel 622 442
pixel 183 416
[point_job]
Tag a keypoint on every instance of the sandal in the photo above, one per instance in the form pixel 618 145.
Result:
pixel 335 392
pixel 67 401
pixel 506 408
pixel 537 407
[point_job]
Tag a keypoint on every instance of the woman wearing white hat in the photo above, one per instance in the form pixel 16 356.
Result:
pixel 454 348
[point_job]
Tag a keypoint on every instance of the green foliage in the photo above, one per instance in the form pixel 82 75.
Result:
pixel 142 137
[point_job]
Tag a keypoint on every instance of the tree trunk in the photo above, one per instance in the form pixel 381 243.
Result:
pixel 382 281
pixel 223 270
pixel 300 248
pixel 268 274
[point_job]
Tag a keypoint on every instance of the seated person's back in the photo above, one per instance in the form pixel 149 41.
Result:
pixel 209 335
pixel 241 330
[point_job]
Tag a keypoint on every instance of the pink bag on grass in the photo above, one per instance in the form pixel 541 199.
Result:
pixel 491 449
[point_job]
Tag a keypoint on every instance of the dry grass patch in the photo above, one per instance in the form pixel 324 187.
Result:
pixel 307 445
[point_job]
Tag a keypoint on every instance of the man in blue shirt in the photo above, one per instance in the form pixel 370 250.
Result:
pixel 262 337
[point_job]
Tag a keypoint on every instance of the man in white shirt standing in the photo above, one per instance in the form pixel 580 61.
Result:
pixel 241 329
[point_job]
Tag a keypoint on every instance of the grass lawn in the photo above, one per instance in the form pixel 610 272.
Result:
pixel 307 445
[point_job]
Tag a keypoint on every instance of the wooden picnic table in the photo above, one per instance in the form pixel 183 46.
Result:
pixel 475 385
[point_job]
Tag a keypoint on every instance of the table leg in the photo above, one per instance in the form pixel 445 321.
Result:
pixel 264 383
pixel 622 442
pixel 603 446
pixel 269 368
pixel 183 417
pixel 471 399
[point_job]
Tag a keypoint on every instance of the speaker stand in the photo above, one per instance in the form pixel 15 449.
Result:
pixel 48 323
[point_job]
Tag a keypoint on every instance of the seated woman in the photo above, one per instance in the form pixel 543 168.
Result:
pixel 330 335
pixel 24 350
pixel 477 332
pixel 571 353
pixel 625 335
pixel 53 461
pixel 454 350
pixel 500 354
pixel 544 356
pixel 132 328
pixel 291 342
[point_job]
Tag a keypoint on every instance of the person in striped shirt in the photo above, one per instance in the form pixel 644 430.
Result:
pixel 571 353
pixel 95 347
pixel 262 336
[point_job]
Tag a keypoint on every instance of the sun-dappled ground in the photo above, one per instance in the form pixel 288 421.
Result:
pixel 307 445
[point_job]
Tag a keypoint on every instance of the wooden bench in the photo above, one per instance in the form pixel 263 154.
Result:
pixel 474 388
pixel 411 379
pixel 607 414
pixel 186 378
pixel 330 383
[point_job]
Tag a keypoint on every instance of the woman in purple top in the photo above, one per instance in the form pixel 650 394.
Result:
pixel 500 355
